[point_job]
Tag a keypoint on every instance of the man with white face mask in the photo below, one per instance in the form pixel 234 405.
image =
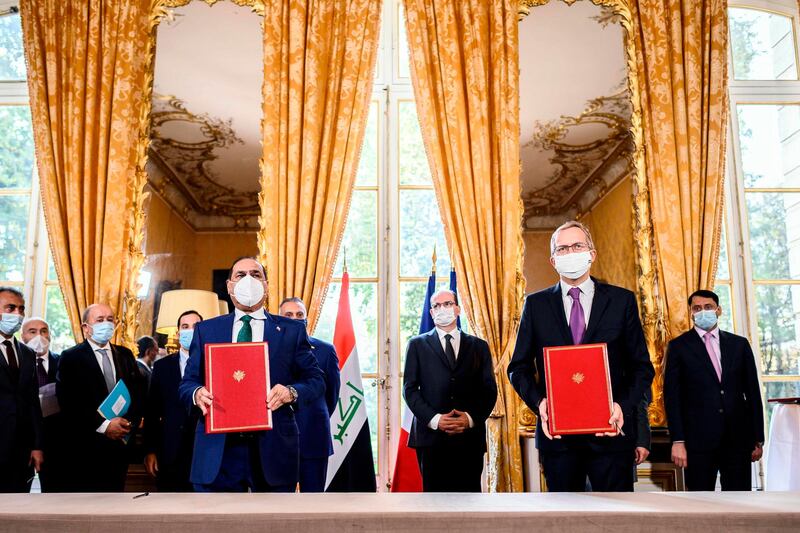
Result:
pixel 581 310
pixel 21 433
pixel 449 386
pixel 97 449
pixel 35 333
pixel 713 401
pixel 168 426
pixel 257 461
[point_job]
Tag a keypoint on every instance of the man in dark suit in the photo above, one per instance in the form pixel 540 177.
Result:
pixel 258 461
pixel 87 373
pixel 35 333
pixel 168 426
pixel 314 421
pixel 581 310
pixel 713 401
pixel 20 414
pixel 148 350
pixel 449 386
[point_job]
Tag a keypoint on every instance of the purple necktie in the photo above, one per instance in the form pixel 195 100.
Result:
pixel 41 373
pixel 577 322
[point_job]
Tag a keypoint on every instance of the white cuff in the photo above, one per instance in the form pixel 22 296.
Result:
pixel 103 427
pixel 434 423
pixel 194 395
pixel 471 423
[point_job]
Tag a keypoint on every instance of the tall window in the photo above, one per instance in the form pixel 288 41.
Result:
pixel 24 251
pixel 764 188
pixel 392 229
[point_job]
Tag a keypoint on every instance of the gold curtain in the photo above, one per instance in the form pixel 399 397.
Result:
pixel 682 69
pixel 319 59
pixel 86 70
pixel 465 70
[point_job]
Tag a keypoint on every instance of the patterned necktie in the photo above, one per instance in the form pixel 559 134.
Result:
pixel 577 322
pixel 12 359
pixel 712 354
pixel 449 351
pixel 41 373
pixel 108 372
pixel 246 333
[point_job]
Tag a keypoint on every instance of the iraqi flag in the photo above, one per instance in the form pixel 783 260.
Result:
pixel 351 467
pixel 407 477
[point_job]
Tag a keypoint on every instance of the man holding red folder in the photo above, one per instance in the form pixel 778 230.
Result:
pixel 256 461
pixel 582 310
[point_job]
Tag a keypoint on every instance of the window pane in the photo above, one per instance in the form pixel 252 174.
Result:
pixel 413 163
pixel 769 137
pixel 51 268
pixel 726 319
pixel 402 44
pixel 778 309
pixel 16 147
pixel 774 223
pixel 364 309
pixel 12 57
pixel 56 315
pixel 13 236
pixel 371 399
pixel 762 45
pixel 412 295
pixel 368 165
pixel 420 228
pixel 779 389
pixel 360 239
pixel 723 267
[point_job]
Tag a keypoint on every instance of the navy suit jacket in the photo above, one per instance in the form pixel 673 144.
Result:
pixel 20 411
pixel 701 410
pixel 314 420
pixel 431 386
pixel 290 363
pixel 168 426
pixel 614 320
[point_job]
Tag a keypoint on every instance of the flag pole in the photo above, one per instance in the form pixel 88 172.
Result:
pixel 433 261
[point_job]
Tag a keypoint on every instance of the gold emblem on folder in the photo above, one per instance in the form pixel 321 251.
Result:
pixel 577 377
pixel 238 375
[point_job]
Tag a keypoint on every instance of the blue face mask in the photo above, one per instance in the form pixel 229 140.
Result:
pixel 706 319
pixel 102 332
pixel 185 338
pixel 10 323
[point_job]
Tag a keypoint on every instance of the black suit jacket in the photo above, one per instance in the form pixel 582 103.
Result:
pixel 168 427
pixel 81 389
pixel 614 320
pixel 314 420
pixel 20 412
pixel 701 410
pixel 431 386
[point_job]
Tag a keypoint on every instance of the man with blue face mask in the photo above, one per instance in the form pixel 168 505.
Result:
pixel 168 427
pixel 314 421
pixel 582 310
pixel 713 401
pixel 255 461
pixel 97 448
pixel 21 430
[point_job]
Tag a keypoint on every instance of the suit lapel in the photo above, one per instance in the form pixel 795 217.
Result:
pixel 464 350
pixel 52 368
pixel 557 302
pixel 91 362
pixel 4 363
pixel 432 338
pixel 724 353
pixel 699 348
pixel 599 304
pixel 272 334
pixel 25 367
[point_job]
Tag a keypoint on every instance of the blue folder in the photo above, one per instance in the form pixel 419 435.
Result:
pixel 116 403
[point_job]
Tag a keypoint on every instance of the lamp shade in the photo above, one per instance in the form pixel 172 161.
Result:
pixel 223 307
pixel 175 303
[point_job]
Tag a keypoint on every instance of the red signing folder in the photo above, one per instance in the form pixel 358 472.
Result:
pixel 578 389
pixel 237 375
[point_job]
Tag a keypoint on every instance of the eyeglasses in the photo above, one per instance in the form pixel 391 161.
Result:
pixel 577 247
pixel 447 305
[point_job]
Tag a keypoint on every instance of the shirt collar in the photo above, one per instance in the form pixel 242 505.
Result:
pixel 258 314
pixel 714 333
pixel 587 288
pixel 96 347
pixel 183 354
pixel 456 333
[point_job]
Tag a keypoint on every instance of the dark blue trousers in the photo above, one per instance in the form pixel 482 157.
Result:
pixel 241 469
pixel 313 472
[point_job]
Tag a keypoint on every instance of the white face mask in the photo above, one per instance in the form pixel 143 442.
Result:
pixel 248 291
pixel 38 344
pixel 573 266
pixel 444 316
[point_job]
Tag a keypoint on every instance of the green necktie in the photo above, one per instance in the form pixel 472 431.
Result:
pixel 246 333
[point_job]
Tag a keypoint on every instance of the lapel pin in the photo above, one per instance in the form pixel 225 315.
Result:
pixel 278 328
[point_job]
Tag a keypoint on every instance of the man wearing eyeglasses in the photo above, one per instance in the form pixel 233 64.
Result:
pixel 581 310
pixel 449 386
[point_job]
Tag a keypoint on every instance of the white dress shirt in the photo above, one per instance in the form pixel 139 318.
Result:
pixel 45 359
pixel 257 324
pixel 99 357
pixel 456 342
pixel 183 358
pixel 586 297
pixel 714 342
